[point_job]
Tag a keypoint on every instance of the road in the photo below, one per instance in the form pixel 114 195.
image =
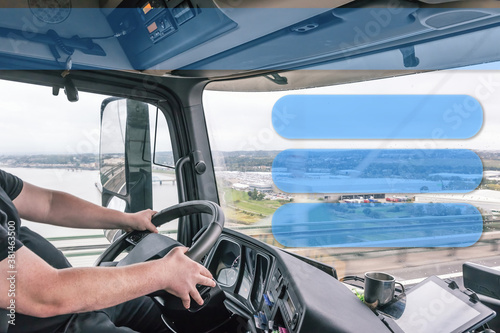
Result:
pixel 486 205
pixel 116 179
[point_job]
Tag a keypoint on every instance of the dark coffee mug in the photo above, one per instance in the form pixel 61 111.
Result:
pixel 379 288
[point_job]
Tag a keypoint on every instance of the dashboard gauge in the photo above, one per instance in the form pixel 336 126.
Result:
pixel 227 276
pixel 227 266
pixel 50 11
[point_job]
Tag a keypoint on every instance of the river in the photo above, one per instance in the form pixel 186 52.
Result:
pixel 81 183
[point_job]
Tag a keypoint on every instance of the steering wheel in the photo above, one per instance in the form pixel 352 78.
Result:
pixel 145 245
pixel 202 245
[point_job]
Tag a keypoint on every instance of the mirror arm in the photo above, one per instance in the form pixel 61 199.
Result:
pixel 199 165
pixel 180 177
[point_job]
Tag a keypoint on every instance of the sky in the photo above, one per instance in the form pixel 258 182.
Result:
pixel 226 112
pixel 35 122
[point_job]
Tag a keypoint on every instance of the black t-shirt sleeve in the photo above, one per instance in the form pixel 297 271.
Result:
pixel 11 184
pixel 8 237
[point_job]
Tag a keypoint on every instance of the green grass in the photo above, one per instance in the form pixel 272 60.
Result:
pixel 494 187
pixel 259 208
pixel 240 216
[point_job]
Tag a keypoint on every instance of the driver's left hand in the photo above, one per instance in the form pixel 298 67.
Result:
pixel 140 221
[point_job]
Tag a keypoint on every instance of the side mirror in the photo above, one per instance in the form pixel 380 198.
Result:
pixel 125 154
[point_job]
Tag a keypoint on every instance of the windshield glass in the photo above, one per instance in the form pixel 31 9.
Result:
pixel 245 143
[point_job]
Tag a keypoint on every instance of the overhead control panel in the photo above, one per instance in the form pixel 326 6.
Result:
pixel 161 22
pixel 152 31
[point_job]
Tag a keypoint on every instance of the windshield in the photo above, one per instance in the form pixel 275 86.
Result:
pixel 247 150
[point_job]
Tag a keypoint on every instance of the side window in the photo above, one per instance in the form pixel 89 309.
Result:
pixel 52 143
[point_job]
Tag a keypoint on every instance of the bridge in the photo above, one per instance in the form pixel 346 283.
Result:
pixel 114 178
pixel 163 179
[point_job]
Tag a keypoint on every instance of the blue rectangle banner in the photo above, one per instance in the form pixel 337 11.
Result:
pixel 377 225
pixel 377 116
pixel 377 171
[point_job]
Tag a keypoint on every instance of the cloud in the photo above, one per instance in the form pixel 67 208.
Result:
pixel 35 121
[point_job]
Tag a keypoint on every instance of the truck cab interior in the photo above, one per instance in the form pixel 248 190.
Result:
pixel 167 63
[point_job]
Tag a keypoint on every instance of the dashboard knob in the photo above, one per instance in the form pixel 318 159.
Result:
pixel 294 321
pixel 282 292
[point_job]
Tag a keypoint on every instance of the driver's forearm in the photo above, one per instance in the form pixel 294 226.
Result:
pixel 102 287
pixel 58 208
pixel 69 211
pixel 85 289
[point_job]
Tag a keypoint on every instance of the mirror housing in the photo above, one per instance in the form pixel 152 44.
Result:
pixel 125 154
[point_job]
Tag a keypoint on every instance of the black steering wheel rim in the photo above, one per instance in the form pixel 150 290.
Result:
pixel 200 247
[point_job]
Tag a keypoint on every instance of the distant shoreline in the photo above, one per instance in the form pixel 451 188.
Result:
pixel 46 166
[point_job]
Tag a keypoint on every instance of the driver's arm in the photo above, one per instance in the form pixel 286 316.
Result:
pixel 42 291
pixel 59 208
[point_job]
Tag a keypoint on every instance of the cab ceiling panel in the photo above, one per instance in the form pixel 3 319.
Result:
pixel 347 32
pixel 136 34
pixel 204 36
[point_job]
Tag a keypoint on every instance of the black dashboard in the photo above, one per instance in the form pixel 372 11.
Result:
pixel 276 292
pixel 264 289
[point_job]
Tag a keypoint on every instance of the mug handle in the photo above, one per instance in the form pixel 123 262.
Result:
pixel 402 287
pixel 397 298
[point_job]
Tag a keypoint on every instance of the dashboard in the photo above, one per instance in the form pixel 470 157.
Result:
pixel 264 289
pixel 274 291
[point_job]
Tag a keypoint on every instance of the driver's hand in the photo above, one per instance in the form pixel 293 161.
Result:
pixel 183 274
pixel 140 221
